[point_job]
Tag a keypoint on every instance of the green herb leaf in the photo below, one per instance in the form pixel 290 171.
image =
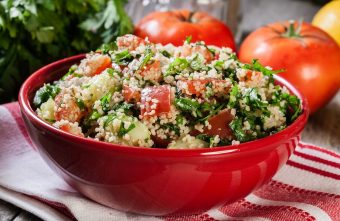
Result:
pixel 70 72
pixel 108 119
pixel 105 101
pixel 219 65
pixel 197 63
pixel 188 105
pixel 44 93
pixel 236 126
pixel 177 66
pixel 256 66
pixel 34 33
pixel 204 137
pixel 123 57
pixel 171 127
pixel 80 104
pixel 295 104
pixel 122 131
pixel 253 99
pixel 106 48
pixel 234 96
pixel 95 115
pixel 147 57
pixel 188 39
pixel 126 107
pixel 166 53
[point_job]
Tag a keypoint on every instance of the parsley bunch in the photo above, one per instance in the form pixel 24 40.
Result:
pixel 34 33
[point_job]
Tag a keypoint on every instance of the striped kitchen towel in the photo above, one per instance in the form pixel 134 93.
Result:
pixel 307 188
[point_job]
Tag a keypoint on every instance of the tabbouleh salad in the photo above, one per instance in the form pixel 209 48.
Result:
pixel 133 92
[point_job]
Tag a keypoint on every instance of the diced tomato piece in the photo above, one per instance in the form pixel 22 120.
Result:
pixel 106 63
pixel 197 87
pixel 187 50
pixel 219 125
pixel 191 87
pixel 249 75
pixel 66 108
pixel 68 128
pixel 152 71
pixel 130 42
pixel 155 100
pixel 130 94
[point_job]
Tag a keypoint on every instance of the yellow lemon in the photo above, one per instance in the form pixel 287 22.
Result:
pixel 328 19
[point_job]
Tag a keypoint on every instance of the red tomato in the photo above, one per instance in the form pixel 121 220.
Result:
pixel 310 57
pixel 155 100
pixel 174 26
pixel 130 94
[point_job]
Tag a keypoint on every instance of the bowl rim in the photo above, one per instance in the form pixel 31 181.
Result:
pixel 257 145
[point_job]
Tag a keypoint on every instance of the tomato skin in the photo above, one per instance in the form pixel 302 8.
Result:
pixel 190 87
pixel 198 86
pixel 66 109
pixel 311 63
pixel 130 95
pixel 219 125
pixel 160 93
pixel 106 64
pixel 175 26
pixel 68 128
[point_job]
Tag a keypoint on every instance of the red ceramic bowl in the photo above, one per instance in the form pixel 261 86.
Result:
pixel 155 181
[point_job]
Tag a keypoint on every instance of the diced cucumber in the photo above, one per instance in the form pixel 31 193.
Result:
pixel 140 132
pixel 187 142
pixel 46 110
pixel 135 129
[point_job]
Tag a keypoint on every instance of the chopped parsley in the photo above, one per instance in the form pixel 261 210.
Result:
pixel 105 102
pixel 123 57
pixel 188 39
pixel 122 130
pixel 70 72
pixel 256 66
pixel 80 104
pixel 46 92
pixel 166 53
pixel 188 105
pixel 147 57
pixel 106 48
pixel 177 66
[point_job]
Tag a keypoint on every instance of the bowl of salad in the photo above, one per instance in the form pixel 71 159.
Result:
pixel 158 129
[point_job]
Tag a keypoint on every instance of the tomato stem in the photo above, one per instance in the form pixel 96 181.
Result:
pixel 190 17
pixel 291 32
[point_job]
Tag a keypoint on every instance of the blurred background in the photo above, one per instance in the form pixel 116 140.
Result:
pixel 242 16
pixel 34 33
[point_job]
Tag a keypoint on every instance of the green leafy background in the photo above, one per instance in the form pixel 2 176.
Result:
pixel 37 32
